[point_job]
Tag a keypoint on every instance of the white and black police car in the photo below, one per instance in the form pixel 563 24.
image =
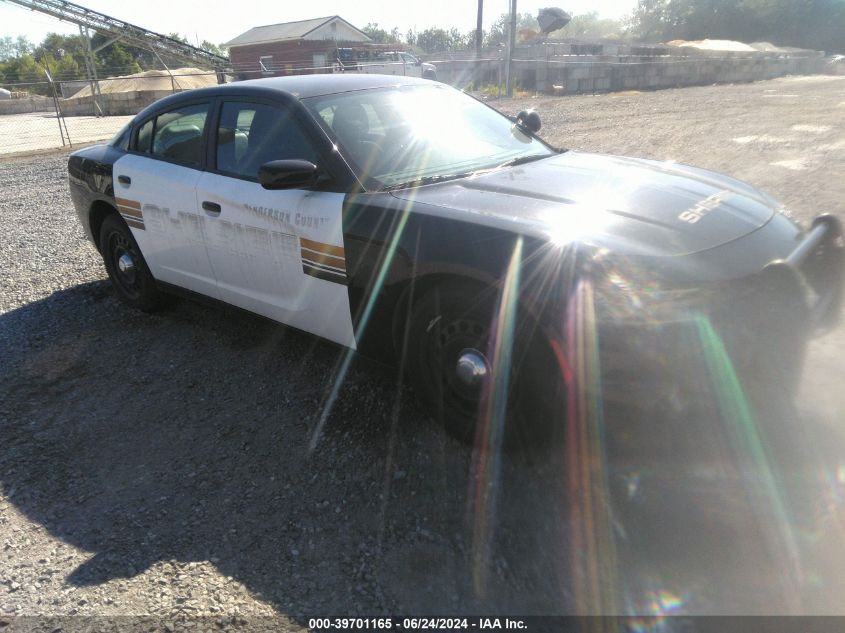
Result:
pixel 398 216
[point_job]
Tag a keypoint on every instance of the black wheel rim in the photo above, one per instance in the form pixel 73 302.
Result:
pixel 449 339
pixel 128 279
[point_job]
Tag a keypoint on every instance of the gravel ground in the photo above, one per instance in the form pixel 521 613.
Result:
pixel 158 465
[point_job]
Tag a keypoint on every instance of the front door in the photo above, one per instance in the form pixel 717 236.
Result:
pixel 276 253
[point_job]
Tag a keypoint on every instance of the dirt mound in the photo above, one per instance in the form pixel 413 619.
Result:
pixel 714 45
pixel 154 80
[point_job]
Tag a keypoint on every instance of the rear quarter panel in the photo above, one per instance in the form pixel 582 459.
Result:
pixel 90 180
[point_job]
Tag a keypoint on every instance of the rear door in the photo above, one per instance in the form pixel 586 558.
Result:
pixel 155 190
pixel 276 253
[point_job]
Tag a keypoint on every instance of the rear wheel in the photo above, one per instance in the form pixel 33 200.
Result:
pixel 451 346
pixel 126 267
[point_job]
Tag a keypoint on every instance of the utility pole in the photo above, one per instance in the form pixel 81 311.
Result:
pixel 511 45
pixel 479 29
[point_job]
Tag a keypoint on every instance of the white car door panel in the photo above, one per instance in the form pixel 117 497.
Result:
pixel 280 254
pixel 159 204
pixel 277 253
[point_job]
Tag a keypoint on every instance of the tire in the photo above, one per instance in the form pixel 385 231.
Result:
pixel 430 75
pixel 455 318
pixel 131 279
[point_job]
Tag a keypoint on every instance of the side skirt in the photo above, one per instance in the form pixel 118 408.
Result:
pixel 211 302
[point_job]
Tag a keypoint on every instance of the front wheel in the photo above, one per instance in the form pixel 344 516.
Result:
pixel 127 268
pixel 452 342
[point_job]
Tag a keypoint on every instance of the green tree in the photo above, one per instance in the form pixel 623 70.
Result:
pixel 63 55
pixel 116 60
pixel 590 26
pixel 25 69
pixel 815 24
pixel 435 40
pixel 216 49
pixel 68 68
pixel 18 47
pixel 649 19
pixel 498 34
pixel 7 48
pixel 23 46
pixel 378 34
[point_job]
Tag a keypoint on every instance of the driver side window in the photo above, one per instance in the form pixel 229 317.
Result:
pixel 251 134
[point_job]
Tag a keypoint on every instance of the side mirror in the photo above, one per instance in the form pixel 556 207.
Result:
pixel 288 174
pixel 529 119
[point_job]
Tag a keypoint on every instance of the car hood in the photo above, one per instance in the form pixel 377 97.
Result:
pixel 630 205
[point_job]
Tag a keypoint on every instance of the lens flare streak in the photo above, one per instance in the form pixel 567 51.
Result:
pixel 593 556
pixel 343 369
pixel 770 507
pixel 491 423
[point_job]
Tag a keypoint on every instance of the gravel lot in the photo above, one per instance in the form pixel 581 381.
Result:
pixel 157 465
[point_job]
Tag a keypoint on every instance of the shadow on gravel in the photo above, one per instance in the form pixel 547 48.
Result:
pixel 183 436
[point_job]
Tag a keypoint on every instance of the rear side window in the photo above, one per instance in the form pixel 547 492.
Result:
pixel 252 134
pixel 179 133
pixel 176 135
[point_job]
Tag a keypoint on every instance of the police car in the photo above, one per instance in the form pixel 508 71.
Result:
pixel 399 216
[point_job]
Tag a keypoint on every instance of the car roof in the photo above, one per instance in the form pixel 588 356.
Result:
pixel 295 87
pixel 304 86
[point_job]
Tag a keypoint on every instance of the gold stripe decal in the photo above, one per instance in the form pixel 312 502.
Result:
pixel 130 212
pixel 323 261
pixel 324 274
pixel 132 204
pixel 135 224
pixel 321 247
pixel 327 260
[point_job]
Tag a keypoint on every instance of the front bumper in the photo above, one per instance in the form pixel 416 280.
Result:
pixel 651 335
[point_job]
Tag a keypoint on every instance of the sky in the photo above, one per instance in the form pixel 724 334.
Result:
pixel 219 21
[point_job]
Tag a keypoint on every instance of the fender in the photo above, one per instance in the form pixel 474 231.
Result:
pixel 392 247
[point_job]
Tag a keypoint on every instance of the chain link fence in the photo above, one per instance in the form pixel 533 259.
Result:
pixel 53 113
pixel 50 114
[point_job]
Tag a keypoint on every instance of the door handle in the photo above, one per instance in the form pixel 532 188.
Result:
pixel 124 180
pixel 211 207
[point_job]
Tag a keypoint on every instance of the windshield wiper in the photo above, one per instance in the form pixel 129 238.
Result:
pixel 520 160
pixel 426 180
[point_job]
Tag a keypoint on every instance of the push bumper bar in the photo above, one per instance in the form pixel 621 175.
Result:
pixel 817 268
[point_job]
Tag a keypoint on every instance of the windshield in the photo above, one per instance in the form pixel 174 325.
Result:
pixel 394 136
